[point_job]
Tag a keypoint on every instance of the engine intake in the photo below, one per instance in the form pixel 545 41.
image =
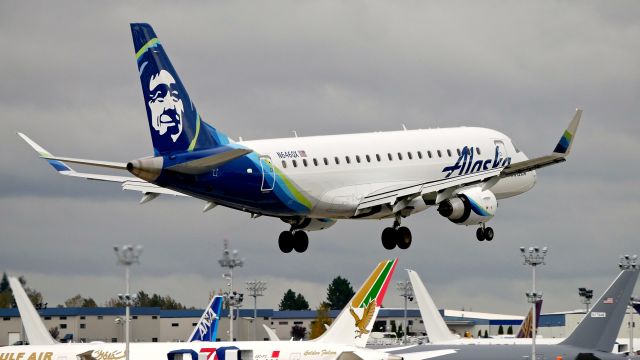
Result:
pixel 471 206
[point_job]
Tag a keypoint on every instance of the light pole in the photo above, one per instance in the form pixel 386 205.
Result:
pixel 127 256
pixel 256 288
pixel 406 291
pixel 230 261
pixel 630 263
pixel 586 295
pixel 533 257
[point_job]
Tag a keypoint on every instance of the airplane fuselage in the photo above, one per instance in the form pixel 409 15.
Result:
pixel 327 176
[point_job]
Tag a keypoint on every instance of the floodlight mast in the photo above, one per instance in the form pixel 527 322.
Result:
pixel 406 291
pixel 256 288
pixel 127 256
pixel 586 295
pixel 230 260
pixel 628 262
pixel 533 257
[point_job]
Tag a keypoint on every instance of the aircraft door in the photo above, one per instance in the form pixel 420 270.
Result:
pixel 502 150
pixel 268 174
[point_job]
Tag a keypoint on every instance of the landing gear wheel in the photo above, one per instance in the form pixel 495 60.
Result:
pixel 300 241
pixel 389 238
pixel 480 234
pixel 488 234
pixel 285 241
pixel 403 237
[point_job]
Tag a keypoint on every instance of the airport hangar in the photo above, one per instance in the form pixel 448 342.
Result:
pixel 151 324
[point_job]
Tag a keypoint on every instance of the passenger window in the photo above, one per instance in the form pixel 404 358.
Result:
pixel 449 152
pixel 439 153
pixel 419 154
pixel 295 164
pixel 358 159
pixel 399 156
pixel 284 164
pixel 368 158
pixel 458 150
pixel 326 161
pixel 390 156
pixel 304 161
pixel 348 160
pixel 429 154
pixel 378 157
pixel 409 155
pixel 337 160
pixel 478 150
pixel 315 161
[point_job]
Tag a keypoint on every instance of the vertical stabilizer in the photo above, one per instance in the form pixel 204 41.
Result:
pixel 525 328
pixel 355 322
pixel 36 332
pixel 207 327
pixel 435 326
pixel 599 327
pixel 174 122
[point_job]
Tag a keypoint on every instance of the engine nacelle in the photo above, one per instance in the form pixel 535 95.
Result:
pixel 308 224
pixel 469 207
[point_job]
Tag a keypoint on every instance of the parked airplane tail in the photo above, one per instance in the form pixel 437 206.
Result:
pixel 207 327
pixel 37 333
pixel 599 327
pixel 525 328
pixel 637 307
pixel 355 322
pixel 434 324
pixel 174 123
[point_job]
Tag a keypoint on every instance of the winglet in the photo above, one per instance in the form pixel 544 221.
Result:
pixel 37 333
pixel 58 165
pixel 564 145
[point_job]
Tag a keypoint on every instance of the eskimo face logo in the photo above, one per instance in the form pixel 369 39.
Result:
pixel 165 102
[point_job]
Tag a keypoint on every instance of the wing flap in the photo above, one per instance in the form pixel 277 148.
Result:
pixel 146 187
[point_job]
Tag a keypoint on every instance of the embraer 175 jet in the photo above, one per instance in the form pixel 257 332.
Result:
pixel 311 182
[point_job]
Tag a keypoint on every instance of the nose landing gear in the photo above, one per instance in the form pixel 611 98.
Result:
pixel 396 236
pixel 484 233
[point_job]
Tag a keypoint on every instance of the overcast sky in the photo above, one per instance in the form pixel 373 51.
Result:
pixel 263 69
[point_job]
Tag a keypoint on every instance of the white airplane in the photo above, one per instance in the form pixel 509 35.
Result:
pixel 311 182
pixel 344 340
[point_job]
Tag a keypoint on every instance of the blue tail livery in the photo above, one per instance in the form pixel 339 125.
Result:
pixel 173 119
pixel 207 327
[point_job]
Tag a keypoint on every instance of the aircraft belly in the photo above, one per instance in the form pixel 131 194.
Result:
pixel 514 185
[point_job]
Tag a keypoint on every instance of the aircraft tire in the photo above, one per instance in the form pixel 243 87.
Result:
pixel 480 234
pixel 488 234
pixel 389 238
pixel 285 241
pixel 300 241
pixel 403 237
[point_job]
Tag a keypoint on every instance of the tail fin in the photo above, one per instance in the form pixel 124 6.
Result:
pixel 599 327
pixel 355 322
pixel 173 120
pixel 207 327
pixel 525 328
pixel 636 306
pixel 435 326
pixel 37 333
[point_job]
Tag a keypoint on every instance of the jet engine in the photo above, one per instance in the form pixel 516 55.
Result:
pixel 309 224
pixel 469 207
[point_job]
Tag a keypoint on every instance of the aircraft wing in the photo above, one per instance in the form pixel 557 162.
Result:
pixel 399 196
pixel 559 154
pixel 127 182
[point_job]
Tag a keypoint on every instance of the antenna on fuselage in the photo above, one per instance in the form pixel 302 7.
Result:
pixel 295 133
pixel 404 127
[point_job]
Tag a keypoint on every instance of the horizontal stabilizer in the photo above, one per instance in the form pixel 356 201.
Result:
pixel 202 165
pixel 36 332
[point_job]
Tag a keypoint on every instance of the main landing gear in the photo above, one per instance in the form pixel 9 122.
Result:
pixel 396 236
pixel 484 233
pixel 297 240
